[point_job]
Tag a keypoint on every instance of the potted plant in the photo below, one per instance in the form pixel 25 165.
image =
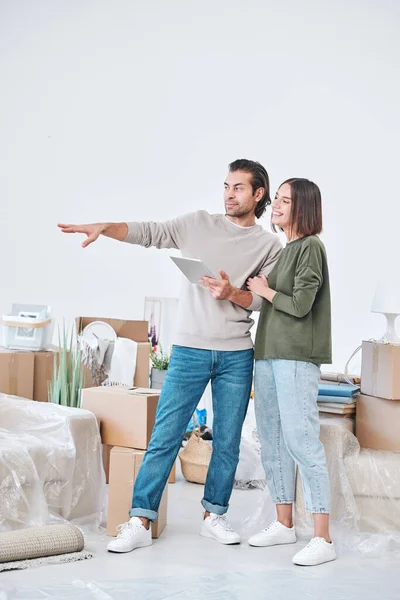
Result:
pixel 67 384
pixel 160 363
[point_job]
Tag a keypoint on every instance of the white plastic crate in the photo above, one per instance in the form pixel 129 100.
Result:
pixel 28 327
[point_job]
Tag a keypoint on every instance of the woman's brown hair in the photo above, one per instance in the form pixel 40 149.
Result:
pixel 306 216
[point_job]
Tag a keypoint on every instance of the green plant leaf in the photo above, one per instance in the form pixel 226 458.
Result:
pixel 159 359
pixel 66 387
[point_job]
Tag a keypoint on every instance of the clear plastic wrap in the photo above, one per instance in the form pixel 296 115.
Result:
pixel 50 465
pixel 365 496
pixel 250 473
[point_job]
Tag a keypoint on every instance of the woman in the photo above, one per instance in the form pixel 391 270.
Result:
pixel 293 339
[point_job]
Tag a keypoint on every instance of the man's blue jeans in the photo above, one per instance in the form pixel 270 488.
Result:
pixel 188 374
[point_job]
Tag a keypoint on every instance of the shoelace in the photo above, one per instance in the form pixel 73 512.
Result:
pixel 126 529
pixel 314 542
pixel 271 526
pixel 221 520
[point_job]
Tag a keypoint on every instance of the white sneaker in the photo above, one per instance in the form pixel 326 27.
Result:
pixel 132 534
pixel 218 528
pixel 274 535
pixel 316 552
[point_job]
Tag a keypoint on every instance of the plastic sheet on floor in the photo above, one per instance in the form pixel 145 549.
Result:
pixel 280 584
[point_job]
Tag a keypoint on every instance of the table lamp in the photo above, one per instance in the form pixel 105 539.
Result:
pixel 387 301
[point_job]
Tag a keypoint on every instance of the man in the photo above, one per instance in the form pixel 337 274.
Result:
pixel 212 342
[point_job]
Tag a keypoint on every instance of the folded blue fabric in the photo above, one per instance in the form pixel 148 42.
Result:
pixel 343 390
pixel 338 399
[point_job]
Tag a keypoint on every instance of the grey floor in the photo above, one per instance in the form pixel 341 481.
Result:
pixel 183 565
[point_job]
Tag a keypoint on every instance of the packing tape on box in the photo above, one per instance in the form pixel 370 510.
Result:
pixel 13 376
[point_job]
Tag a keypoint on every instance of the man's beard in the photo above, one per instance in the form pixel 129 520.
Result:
pixel 237 212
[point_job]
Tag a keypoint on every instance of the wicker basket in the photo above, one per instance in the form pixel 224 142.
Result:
pixel 195 458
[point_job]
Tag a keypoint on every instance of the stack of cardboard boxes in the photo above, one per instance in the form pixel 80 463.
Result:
pixel 378 406
pixel 126 423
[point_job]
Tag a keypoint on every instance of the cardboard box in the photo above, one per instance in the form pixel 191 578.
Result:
pixel 124 468
pixel 133 330
pixel 127 419
pixel 380 370
pixel 106 465
pixel 16 373
pixel 378 423
pixel 43 373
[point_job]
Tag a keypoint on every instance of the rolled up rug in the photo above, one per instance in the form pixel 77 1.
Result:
pixel 25 545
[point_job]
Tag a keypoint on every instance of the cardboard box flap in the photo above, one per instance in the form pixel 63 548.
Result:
pixel 126 391
pixel 133 330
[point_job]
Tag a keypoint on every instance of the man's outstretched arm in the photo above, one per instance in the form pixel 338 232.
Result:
pixel 167 234
pixel 117 231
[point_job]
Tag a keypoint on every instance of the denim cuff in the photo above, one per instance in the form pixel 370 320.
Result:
pixel 318 511
pixel 143 512
pixel 214 508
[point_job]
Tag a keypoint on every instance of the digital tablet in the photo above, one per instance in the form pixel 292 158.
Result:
pixel 193 268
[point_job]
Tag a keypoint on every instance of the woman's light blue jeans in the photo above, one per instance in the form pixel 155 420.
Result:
pixel 288 426
pixel 188 374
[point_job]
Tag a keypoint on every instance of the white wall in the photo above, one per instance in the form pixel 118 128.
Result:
pixel 129 110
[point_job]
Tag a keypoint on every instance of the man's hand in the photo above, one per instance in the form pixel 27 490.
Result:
pixel 221 289
pixel 91 231
pixel 116 231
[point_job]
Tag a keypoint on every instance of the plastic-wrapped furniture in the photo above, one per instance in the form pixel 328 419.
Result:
pixel 365 485
pixel 50 464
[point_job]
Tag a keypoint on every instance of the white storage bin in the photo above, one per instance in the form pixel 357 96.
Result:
pixel 31 330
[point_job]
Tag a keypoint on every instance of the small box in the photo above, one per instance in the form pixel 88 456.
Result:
pixel 16 373
pixel 380 370
pixel 136 331
pixel 127 419
pixel 124 468
pixel 378 423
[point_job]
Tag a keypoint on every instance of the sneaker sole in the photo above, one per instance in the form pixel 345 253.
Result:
pixel 212 537
pixel 322 562
pixel 141 545
pixel 255 545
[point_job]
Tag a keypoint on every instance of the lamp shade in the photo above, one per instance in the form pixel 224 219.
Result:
pixel 387 297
